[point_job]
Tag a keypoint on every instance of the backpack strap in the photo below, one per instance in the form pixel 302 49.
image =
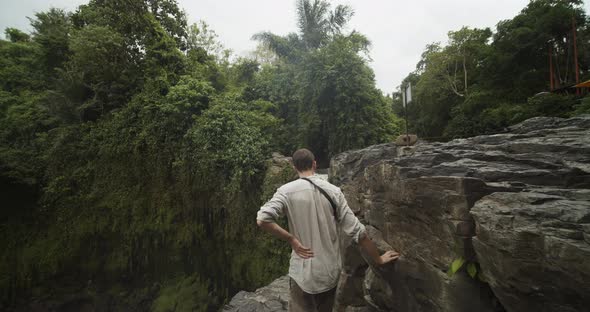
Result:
pixel 326 195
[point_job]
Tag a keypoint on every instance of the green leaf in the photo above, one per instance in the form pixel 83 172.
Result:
pixel 457 264
pixel 450 273
pixel 471 269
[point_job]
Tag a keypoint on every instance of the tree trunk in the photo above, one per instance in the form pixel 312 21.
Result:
pixel 465 71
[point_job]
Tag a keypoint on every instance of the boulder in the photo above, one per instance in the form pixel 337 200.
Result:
pixel 421 198
pixel 279 170
pixel 271 298
pixel 534 248
pixel 515 207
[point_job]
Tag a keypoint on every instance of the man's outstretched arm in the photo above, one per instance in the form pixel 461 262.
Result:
pixel 371 249
pixel 355 230
pixel 281 233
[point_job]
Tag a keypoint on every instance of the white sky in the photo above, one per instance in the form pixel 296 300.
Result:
pixel 399 30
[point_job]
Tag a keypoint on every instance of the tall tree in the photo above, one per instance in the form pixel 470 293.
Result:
pixel 519 64
pixel 317 26
pixel 482 81
pixel 52 30
pixel 317 23
pixel 326 87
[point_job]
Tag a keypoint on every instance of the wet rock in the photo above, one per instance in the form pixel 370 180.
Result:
pixel 271 298
pixel 514 204
pixel 534 250
pixel 421 198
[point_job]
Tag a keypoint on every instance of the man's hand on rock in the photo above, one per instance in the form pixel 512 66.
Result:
pixel 299 249
pixel 388 257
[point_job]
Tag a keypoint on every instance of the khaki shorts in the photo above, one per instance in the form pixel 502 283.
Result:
pixel 304 302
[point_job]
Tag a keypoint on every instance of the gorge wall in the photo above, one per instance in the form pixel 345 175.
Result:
pixel 511 209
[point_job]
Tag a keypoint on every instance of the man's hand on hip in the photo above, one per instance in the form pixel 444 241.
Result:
pixel 299 249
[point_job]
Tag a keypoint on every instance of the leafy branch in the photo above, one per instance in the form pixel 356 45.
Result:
pixel 470 267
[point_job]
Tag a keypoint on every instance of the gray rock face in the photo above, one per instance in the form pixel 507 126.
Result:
pixel 534 248
pixel 530 191
pixel 517 205
pixel 271 298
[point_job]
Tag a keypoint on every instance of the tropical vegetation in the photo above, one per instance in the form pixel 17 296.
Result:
pixel 482 81
pixel 134 147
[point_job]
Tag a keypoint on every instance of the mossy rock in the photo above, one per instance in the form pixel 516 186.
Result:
pixel 279 171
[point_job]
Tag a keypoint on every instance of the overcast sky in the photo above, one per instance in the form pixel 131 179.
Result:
pixel 398 30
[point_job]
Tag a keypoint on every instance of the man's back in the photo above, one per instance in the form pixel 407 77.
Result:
pixel 313 236
pixel 311 220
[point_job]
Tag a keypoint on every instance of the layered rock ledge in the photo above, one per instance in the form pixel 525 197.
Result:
pixel 515 206
pixel 271 298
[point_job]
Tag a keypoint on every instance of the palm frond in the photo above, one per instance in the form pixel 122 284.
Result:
pixel 317 23
pixel 302 16
pixel 339 17
pixel 359 41
pixel 282 46
pixel 313 21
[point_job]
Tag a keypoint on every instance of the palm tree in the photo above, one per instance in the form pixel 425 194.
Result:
pixel 316 23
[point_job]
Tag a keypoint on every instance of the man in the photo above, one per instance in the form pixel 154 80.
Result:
pixel 315 262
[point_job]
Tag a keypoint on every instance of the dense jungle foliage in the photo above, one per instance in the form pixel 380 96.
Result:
pixel 134 146
pixel 133 150
pixel 482 81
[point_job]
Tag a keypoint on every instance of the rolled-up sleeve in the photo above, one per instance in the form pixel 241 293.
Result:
pixel 349 223
pixel 273 209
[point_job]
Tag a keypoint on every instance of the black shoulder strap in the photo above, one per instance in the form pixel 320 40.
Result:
pixel 327 196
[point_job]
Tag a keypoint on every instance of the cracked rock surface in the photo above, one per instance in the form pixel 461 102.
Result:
pixel 515 204
pixel 271 298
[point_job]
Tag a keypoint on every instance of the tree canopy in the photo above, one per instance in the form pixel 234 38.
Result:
pixel 133 148
pixel 481 80
pixel 322 84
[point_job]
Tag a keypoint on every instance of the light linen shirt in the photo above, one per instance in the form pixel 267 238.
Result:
pixel 311 221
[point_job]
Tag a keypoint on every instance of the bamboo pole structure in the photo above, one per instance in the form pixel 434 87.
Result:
pixel 576 54
pixel 551 82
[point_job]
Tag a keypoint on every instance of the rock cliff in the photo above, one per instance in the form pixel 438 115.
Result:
pixel 514 208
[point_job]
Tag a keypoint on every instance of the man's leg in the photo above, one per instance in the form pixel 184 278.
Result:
pixel 300 300
pixel 340 301
pixel 325 301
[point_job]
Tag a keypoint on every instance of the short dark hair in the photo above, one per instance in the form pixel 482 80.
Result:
pixel 303 159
